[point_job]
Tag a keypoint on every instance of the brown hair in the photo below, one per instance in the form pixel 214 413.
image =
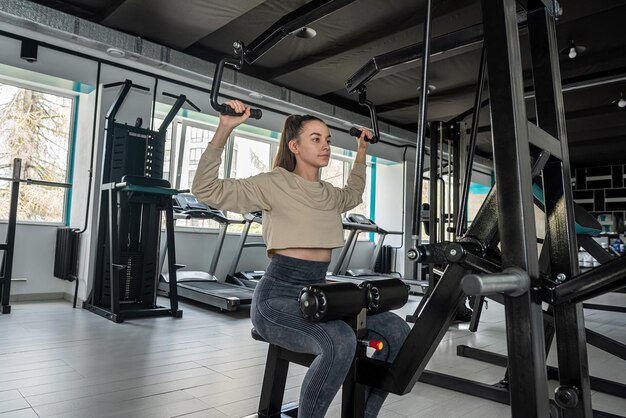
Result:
pixel 292 128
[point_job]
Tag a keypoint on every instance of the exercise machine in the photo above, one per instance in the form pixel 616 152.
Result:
pixel 134 196
pixel 8 246
pixel 322 302
pixel 246 278
pixel 356 224
pixel 204 286
pixel 500 244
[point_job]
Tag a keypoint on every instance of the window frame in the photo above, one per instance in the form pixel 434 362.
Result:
pixel 69 175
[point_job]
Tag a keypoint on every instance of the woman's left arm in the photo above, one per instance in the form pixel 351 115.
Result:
pixel 351 195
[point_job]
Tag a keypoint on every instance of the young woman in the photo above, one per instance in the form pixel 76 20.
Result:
pixel 301 226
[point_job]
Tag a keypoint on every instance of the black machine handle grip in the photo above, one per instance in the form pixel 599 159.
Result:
pixel 126 82
pixel 357 133
pixel 173 96
pixel 215 88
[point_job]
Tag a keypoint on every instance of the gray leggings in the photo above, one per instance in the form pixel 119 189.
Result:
pixel 276 317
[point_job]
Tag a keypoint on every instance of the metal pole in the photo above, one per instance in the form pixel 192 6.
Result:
pixel 421 131
pixel 467 178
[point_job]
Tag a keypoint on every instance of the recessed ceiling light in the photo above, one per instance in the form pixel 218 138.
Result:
pixel 304 33
pixel 255 95
pixel 115 52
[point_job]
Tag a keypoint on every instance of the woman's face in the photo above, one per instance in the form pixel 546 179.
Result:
pixel 313 146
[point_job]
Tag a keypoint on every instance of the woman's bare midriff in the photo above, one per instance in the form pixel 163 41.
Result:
pixel 311 254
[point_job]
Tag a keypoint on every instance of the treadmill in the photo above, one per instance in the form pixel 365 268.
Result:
pixel 357 223
pixel 246 278
pixel 204 286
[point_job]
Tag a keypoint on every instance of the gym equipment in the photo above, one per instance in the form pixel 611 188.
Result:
pixel 246 278
pixel 357 223
pixel 204 286
pixel 326 302
pixel 8 247
pixel 133 197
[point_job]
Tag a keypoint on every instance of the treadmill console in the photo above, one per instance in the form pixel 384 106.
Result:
pixel 357 218
pixel 187 201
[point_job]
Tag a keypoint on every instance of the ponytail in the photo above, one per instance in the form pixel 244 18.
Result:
pixel 292 128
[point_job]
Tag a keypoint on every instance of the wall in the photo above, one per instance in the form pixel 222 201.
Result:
pixel 34 261
pixel 602 191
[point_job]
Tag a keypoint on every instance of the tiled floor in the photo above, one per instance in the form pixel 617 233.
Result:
pixel 56 361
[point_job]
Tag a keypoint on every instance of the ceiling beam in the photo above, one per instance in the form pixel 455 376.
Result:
pixel 359 40
pixel 109 10
pixel 65 7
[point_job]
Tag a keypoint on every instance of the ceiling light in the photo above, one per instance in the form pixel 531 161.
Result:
pixel 115 52
pixel 573 50
pixel 304 33
pixel 431 88
pixel 621 102
pixel 255 95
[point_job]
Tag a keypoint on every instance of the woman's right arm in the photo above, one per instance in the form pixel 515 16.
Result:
pixel 243 195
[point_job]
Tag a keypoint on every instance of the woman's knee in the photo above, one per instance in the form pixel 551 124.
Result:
pixel 341 341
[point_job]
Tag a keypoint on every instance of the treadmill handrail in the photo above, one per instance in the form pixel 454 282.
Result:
pixel 210 214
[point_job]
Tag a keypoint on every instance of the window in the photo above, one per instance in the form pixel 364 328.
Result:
pixel 198 135
pixel 36 127
pixel 250 157
pixel 337 172
pixel 194 155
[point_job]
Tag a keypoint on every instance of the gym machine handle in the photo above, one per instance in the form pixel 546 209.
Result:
pixel 124 83
pixel 217 79
pixel 512 281
pixel 189 102
pixel 357 133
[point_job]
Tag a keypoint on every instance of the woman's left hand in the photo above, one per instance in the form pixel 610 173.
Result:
pixel 365 133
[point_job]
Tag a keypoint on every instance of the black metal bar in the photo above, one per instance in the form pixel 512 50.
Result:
pixel 457 39
pixel 289 23
pixel 421 132
pixel 600 280
pixel 467 176
pixel 121 96
pixel 593 248
pixel 469 387
pixel 171 256
pixel 456 167
pixel 114 253
pixel 433 200
pixel 6 271
pixel 607 344
pixel 601 307
pixel 274 381
pixel 180 101
pixel 599 384
pixel 541 139
pixel 422 341
pixel 525 339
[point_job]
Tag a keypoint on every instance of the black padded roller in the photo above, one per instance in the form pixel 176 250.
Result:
pixel 330 301
pixel 385 295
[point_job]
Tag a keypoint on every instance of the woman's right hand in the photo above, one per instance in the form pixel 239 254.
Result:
pixel 231 122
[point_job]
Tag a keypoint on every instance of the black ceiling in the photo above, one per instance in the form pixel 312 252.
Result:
pixel 348 38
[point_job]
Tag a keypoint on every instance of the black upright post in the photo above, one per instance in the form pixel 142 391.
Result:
pixel 6 271
pixel 525 339
pixel 171 260
pixel 559 208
